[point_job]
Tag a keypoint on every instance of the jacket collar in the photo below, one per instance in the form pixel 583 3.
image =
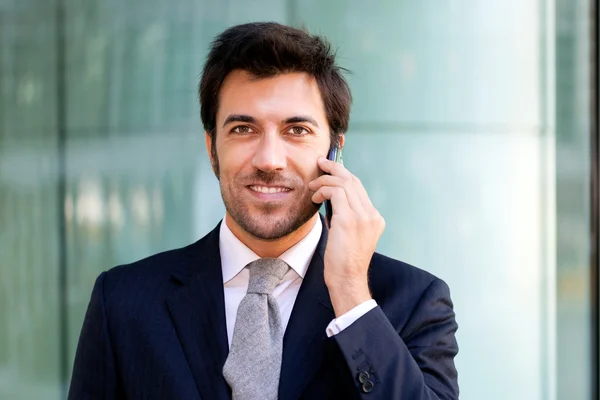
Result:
pixel 197 308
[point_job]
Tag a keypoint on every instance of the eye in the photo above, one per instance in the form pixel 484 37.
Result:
pixel 298 130
pixel 243 129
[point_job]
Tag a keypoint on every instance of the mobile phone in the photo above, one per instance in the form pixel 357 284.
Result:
pixel 335 154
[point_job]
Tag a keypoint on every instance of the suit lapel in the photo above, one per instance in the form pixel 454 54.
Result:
pixel 305 337
pixel 197 308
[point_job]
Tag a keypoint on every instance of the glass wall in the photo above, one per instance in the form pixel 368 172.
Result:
pixel 470 130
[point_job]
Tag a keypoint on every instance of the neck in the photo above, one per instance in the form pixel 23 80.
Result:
pixel 270 248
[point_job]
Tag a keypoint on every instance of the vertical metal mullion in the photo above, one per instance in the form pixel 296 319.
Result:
pixel 594 204
pixel 61 127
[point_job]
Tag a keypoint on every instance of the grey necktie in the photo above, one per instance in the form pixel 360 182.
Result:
pixel 253 366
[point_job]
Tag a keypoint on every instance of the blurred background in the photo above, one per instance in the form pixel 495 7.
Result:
pixel 472 130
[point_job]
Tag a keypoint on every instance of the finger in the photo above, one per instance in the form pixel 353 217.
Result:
pixel 363 195
pixel 352 191
pixel 359 193
pixel 337 196
pixel 325 180
pixel 338 170
pixel 334 168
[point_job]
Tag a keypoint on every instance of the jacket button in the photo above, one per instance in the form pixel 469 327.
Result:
pixel 363 376
pixel 368 386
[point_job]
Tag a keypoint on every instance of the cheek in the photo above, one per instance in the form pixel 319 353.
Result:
pixel 233 159
pixel 305 165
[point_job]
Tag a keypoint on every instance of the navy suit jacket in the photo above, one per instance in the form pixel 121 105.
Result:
pixel 156 329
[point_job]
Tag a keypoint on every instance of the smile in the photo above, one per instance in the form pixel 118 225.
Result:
pixel 268 189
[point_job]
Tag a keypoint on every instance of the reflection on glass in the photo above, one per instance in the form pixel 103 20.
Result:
pixel 453 132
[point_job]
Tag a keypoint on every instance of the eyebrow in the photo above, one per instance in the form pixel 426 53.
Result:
pixel 239 118
pixel 251 120
pixel 301 118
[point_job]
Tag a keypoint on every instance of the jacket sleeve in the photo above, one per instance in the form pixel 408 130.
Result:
pixel 416 363
pixel 94 375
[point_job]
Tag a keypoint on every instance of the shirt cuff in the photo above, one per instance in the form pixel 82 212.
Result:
pixel 345 320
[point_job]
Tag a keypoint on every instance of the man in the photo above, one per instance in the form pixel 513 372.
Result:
pixel 272 303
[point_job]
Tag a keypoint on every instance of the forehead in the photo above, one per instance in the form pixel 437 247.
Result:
pixel 277 97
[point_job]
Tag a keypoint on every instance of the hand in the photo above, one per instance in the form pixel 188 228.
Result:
pixel 356 226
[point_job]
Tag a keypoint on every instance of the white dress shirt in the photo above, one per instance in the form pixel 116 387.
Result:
pixel 235 256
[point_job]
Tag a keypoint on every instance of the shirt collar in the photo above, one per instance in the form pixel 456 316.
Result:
pixel 235 255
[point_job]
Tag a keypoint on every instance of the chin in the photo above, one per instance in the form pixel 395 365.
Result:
pixel 269 226
pixel 273 225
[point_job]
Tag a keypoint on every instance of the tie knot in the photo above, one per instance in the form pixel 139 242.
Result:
pixel 265 274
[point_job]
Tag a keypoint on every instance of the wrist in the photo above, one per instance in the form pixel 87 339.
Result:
pixel 345 295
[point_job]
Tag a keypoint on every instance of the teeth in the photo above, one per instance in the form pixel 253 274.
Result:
pixel 265 189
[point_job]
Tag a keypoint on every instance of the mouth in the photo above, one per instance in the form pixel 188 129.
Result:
pixel 268 189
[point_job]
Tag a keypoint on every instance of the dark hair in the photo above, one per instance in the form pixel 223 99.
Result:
pixel 266 49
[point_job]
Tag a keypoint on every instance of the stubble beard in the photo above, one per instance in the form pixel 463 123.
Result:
pixel 265 226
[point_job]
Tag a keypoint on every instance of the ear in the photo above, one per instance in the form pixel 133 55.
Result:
pixel 211 154
pixel 208 142
pixel 342 140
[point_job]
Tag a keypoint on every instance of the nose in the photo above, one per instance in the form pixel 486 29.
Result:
pixel 270 153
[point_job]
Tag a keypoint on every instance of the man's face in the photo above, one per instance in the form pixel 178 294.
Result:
pixel 270 133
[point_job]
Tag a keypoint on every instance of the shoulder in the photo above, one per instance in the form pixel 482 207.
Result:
pixel 395 281
pixel 158 270
pixel 152 268
pixel 386 269
pixel 156 274
pixel 137 291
